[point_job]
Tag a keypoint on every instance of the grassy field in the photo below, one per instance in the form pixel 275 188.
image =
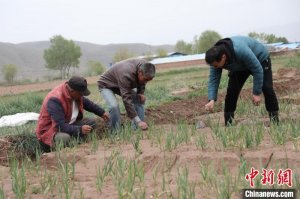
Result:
pixel 169 161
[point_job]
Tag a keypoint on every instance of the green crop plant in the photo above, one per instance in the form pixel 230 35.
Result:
pixel 208 173
pixel 100 179
pixel 19 183
pixel 201 141
pixel 81 192
pixel 185 189
pixel 67 171
pixel 135 140
pixel 48 182
pixel 2 194
pixel 259 134
pixel 279 133
pixel 125 175
pixel 296 180
pixel 94 142
pixel 249 137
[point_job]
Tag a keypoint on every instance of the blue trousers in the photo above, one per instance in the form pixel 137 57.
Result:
pixel 114 109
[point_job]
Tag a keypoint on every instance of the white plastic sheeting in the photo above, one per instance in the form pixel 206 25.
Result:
pixel 18 119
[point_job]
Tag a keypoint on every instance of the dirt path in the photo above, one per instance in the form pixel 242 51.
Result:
pixel 43 86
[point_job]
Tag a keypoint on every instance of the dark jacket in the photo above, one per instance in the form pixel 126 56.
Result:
pixel 56 113
pixel 121 78
pixel 245 53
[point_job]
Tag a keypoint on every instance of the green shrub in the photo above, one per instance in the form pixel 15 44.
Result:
pixel 29 102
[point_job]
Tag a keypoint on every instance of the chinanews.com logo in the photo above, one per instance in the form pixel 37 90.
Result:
pixel 270 177
pixel 269 193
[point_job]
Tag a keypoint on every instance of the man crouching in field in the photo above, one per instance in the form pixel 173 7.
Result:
pixel 61 115
pixel 128 79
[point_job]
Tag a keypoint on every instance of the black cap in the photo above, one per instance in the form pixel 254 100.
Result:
pixel 79 84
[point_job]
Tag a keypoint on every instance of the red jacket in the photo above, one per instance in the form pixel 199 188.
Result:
pixel 46 126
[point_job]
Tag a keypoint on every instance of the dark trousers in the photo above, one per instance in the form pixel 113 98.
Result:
pixel 85 121
pixel 236 82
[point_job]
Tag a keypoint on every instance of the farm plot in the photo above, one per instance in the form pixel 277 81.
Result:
pixel 175 158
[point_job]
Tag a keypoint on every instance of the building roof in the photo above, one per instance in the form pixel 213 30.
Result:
pixel 171 54
pixel 289 46
pixel 275 44
pixel 282 46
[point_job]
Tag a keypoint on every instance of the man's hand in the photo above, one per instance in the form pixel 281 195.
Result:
pixel 210 105
pixel 143 125
pixel 85 129
pixel 142 98
pixel 256 99
pixel 105 116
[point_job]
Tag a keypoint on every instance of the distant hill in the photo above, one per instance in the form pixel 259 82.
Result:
pixel 28 57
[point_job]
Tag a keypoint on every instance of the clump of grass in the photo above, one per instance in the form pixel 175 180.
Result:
pixel 294 61
pixel 29 102
pixel 25 145
pixel 157 94
pixel 180 71
pixel 22 146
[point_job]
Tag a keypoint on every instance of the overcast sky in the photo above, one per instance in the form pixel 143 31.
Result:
pixel 144 21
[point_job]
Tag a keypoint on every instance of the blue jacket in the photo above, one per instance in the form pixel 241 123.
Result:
pixel 248 55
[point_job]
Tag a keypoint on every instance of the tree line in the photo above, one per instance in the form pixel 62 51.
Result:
pixel 64 54
pixel 202 43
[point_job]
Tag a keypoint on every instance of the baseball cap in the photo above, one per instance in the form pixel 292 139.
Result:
pixel 79 84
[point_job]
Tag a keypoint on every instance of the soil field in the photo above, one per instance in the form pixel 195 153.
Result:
pixel 163 166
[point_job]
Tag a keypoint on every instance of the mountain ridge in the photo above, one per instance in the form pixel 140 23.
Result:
pixel 28 57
